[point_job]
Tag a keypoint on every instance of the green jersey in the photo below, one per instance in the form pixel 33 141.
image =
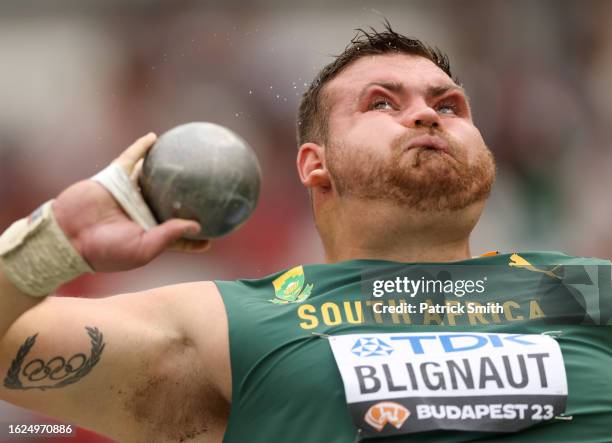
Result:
pixel 515 347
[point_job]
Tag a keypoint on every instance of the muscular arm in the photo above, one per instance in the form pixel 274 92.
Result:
pixel 150 366
pixel 130 366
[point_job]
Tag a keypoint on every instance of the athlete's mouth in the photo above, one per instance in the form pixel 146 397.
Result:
pixel 430 142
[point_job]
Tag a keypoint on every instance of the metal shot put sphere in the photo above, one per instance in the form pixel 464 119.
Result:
pixel 202 172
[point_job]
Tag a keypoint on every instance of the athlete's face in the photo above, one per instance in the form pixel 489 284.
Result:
pixel 401 129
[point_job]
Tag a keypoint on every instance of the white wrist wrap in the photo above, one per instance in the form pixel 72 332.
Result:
pixel 116 181
pixel 36 255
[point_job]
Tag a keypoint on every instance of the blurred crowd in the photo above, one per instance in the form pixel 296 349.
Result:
pixel 82 80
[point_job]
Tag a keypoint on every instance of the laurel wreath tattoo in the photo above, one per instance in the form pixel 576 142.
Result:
pixel 65 372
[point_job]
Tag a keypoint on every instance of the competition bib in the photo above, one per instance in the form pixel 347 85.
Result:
pixel 401 383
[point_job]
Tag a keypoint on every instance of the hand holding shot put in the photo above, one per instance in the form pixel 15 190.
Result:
pixel 104 235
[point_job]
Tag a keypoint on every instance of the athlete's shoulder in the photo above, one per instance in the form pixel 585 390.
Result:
pixel 287 284
pixel 295 283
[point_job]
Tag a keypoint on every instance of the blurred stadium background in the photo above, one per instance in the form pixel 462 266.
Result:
pixel 82 79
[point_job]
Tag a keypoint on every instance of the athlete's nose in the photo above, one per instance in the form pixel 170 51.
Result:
pixel 421 116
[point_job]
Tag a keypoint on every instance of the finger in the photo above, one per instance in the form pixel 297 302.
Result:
pixel 136 172
pixel 192 246
pixel 135 152
pixel 159 238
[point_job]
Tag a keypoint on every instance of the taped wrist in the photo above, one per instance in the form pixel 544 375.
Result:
pixel 126 193
pixel 36 255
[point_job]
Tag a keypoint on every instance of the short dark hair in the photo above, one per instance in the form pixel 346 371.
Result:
pixel 313 112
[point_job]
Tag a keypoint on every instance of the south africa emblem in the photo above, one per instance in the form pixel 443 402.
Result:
pixel 290 287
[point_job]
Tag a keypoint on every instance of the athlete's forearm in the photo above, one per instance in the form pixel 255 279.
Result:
pixel 36 257
pixel 13 302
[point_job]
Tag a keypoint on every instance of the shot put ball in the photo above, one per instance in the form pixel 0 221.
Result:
pixel 203 172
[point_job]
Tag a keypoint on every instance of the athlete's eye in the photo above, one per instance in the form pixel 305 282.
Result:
pixel 447 107
pixel 382 104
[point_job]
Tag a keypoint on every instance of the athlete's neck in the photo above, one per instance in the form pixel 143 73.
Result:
pixel 381 230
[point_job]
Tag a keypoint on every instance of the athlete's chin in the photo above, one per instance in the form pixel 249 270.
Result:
pixel 427 170
pixel 437 189
pixel 440 203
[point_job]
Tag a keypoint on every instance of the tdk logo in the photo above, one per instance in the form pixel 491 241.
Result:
pixel 371 346
pixel 421 344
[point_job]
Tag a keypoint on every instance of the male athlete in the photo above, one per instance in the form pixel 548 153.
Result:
pixel 397 173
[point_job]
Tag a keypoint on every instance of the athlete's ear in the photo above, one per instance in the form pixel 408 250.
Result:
pixel 311 166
